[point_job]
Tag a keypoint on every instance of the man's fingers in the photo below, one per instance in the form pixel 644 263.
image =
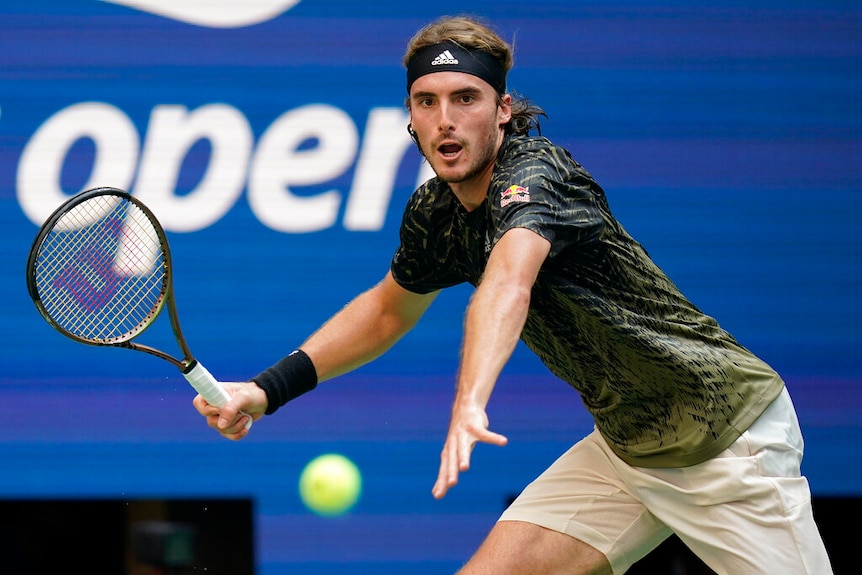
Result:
pixel 494 438
pixel 454 461
pixel 448 474
pixel 203 407
pixel 464 451
pixel 234 436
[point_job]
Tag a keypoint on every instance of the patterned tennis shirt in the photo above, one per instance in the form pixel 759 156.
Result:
pixel 665 384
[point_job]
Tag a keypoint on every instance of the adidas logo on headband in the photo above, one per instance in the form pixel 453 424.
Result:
pixel 444 58
pixel 452 57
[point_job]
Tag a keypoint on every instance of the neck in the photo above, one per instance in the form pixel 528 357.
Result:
pixel 472 193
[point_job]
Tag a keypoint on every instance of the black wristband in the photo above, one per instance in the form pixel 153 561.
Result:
pixel 292 376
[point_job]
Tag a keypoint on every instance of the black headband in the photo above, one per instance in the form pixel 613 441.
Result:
pixel 450 57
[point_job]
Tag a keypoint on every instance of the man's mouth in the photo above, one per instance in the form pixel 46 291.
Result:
pixel 449 150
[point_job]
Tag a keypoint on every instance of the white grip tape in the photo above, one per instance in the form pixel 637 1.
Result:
pixel 208 386
pixel 205 384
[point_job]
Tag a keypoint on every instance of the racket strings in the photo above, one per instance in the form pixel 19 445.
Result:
pixel 101 271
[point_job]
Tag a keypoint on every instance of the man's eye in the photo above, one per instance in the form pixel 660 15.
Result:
pixel 467 98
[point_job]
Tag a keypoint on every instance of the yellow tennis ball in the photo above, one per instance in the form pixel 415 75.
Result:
pixel 330 484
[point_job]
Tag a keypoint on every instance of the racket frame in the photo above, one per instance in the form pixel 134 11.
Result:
pixel 165 298
pixel 194 372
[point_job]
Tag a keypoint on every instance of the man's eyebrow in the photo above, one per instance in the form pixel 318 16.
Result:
pixel 467 90
pixel 458 92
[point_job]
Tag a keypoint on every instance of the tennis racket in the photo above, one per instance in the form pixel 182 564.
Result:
pixel 100 273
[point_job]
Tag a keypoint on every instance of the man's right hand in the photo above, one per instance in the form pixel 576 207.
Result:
pixel 231 419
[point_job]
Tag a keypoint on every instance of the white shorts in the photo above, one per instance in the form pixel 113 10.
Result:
pixel 746 511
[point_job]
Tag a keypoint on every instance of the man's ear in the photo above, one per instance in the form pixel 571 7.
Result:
pixel 415 138
pixel 504 109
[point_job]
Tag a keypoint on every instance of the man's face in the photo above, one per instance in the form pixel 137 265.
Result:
pixel 457 118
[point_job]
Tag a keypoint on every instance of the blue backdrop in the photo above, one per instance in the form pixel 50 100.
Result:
pixel 271 143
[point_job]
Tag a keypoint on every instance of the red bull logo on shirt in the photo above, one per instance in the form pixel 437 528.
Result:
pixel 514 193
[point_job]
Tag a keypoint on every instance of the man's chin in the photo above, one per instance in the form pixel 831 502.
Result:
pixel 449 175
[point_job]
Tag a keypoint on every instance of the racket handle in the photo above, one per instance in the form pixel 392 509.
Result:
pixel 208 386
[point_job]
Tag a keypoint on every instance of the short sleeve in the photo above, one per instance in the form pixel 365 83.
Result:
pixel 418 263
pixel 547 192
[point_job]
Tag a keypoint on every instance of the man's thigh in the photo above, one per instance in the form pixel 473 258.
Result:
pixel 748 510
pixel 581 497
pixel 518 548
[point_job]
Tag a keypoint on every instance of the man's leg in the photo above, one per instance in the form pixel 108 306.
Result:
pixel 748 510
pixel 576 517
pixel 516 548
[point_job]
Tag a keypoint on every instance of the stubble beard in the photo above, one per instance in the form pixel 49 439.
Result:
pixel 487 154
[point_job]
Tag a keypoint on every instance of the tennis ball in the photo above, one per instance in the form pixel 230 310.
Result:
pixel 330 484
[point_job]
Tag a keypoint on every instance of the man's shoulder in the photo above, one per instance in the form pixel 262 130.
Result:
pixel 431 192
pixel 432 200
pixel 520 150
pixel 518 143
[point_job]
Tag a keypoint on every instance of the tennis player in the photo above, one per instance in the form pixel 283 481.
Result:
pixel 694 435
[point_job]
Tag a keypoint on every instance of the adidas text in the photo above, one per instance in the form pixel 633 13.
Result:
pixel 444 58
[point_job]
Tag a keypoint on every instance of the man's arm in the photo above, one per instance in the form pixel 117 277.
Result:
pixel 365 328
pixel 495 319
pixel 361 331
